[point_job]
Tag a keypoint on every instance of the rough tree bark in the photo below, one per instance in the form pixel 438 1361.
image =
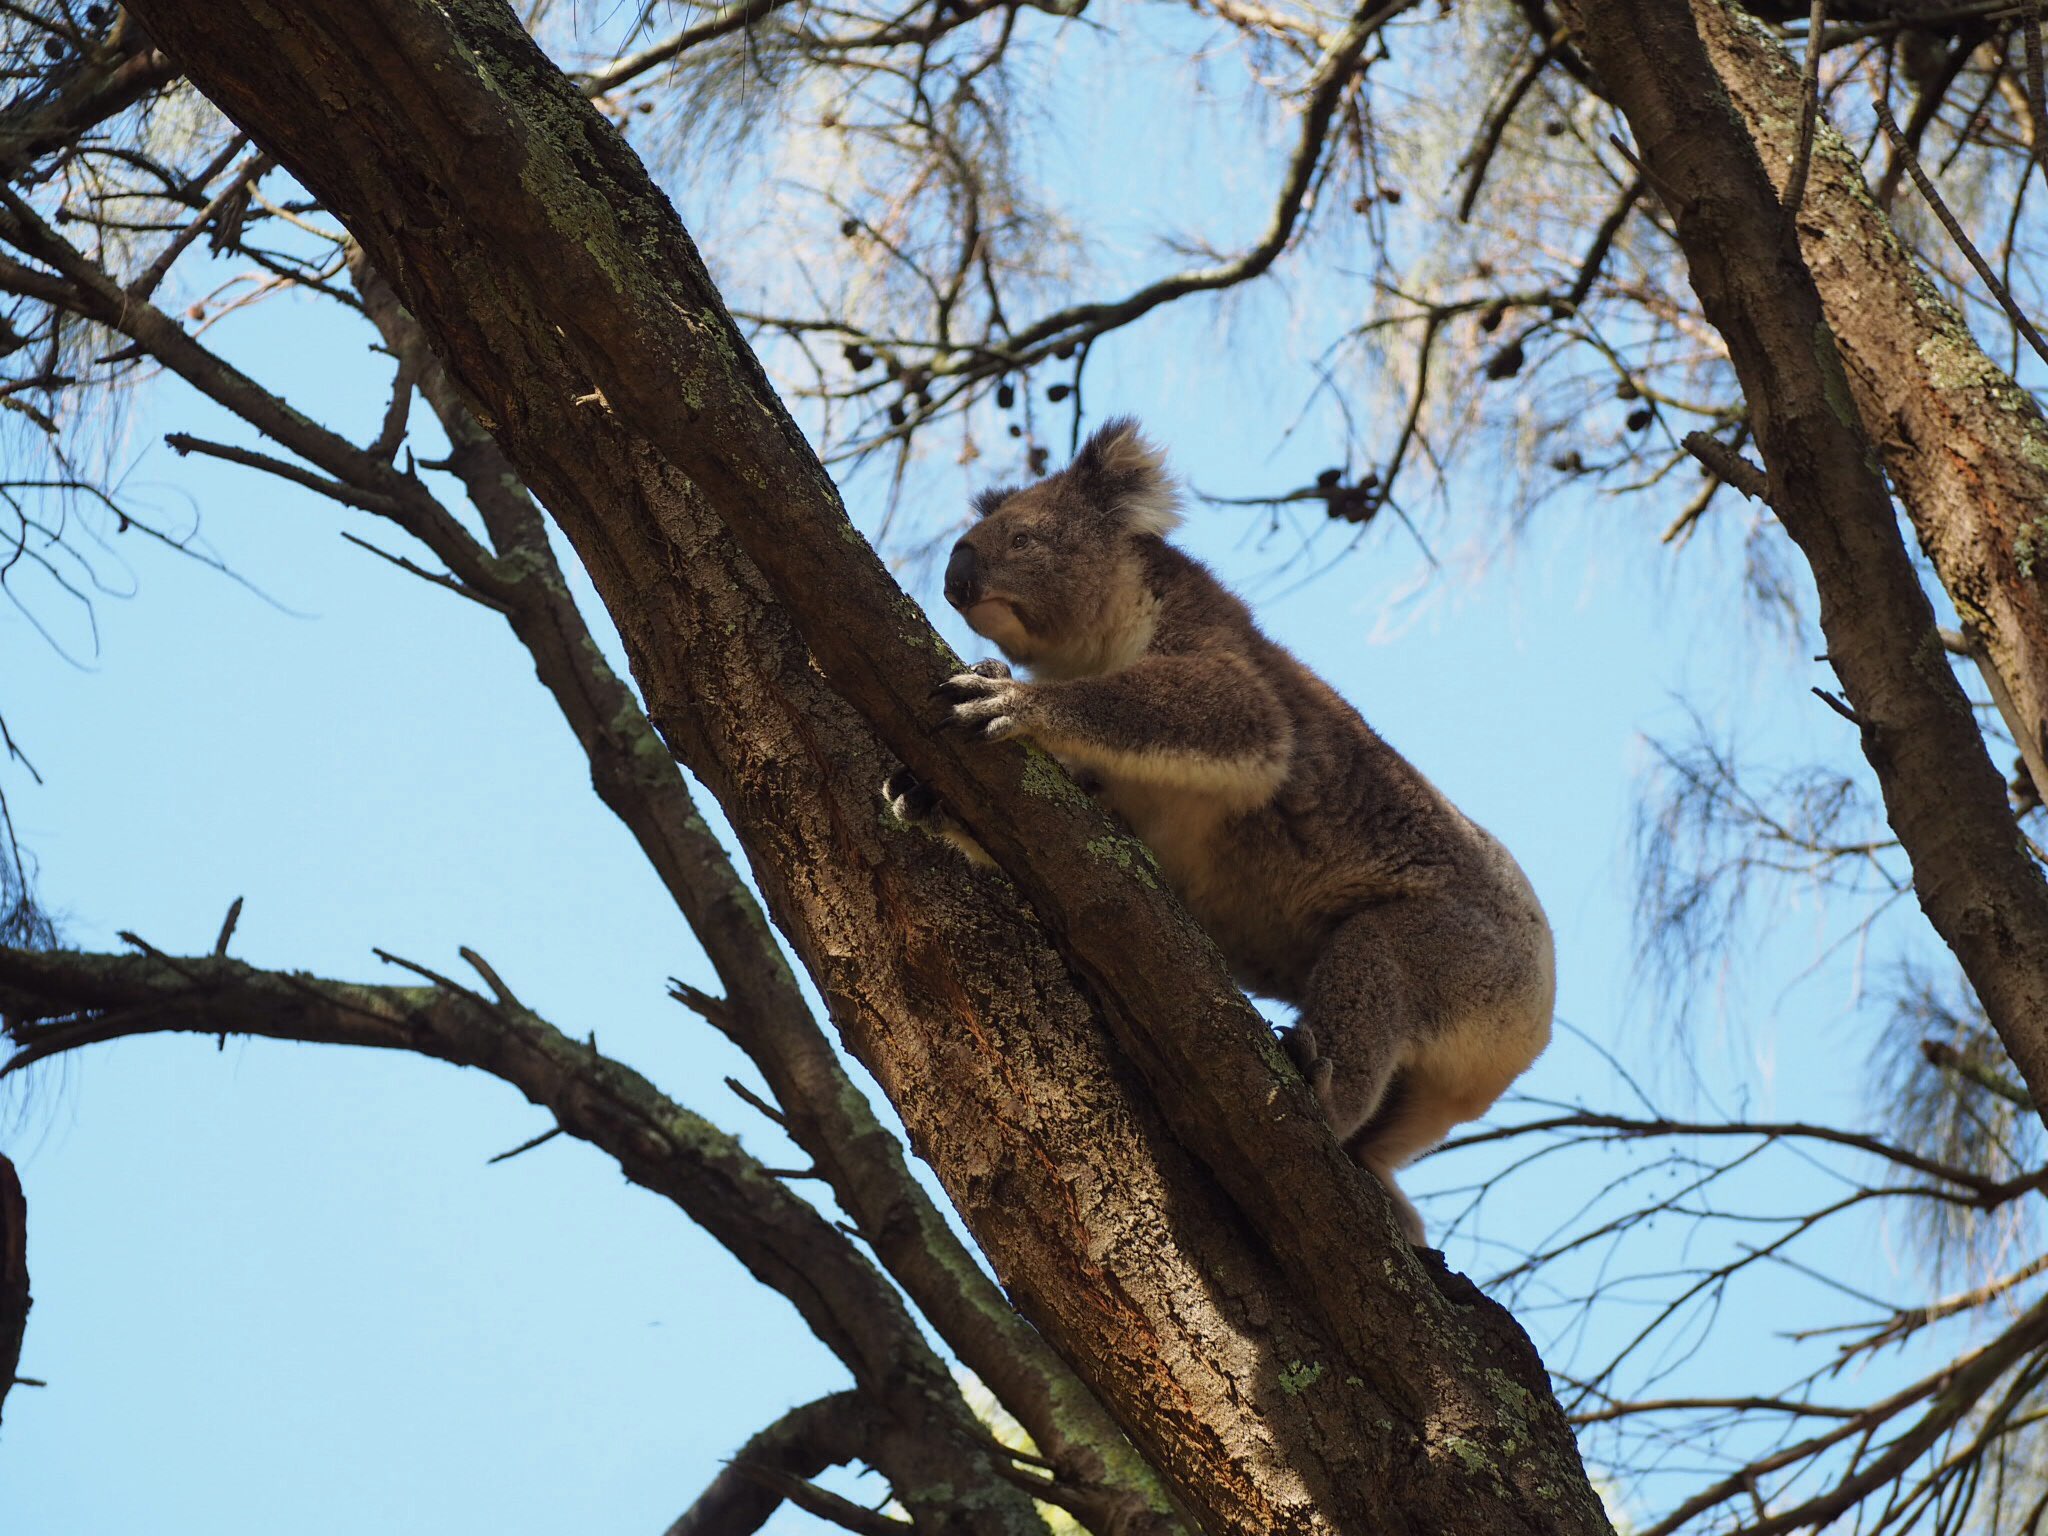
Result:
pixel 1250 1319
pixel 1943 797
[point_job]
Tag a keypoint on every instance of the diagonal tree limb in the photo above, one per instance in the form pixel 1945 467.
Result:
pixel 80 286
pixel 922 1437
pixel 762 1011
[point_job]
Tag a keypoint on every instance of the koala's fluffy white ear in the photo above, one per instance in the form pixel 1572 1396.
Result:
pixel 1129 474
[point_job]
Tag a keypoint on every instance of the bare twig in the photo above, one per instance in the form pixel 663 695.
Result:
pixel 438 578
pixel 525 1146
pixel 1945 1057
pixel 227 927
pixel 755 1101
pixel 1839 705
pixel 1809 107
pixel 826 1505
pixel 1730 466
pixel 503 993
pixel 251 169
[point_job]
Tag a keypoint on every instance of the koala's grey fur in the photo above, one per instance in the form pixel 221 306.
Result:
pixel 1332 875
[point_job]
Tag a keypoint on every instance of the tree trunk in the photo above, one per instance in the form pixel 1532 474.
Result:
pixel 1232 1288
pixel 1966 448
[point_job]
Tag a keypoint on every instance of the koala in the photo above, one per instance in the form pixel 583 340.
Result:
pixel 1333 876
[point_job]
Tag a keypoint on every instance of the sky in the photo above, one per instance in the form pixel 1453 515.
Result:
pixel 280 1285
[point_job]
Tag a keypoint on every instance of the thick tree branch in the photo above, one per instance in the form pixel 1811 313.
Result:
pixel 923 1439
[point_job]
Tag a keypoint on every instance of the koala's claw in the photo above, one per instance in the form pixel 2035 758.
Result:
pixel 915 803
pixel 981 704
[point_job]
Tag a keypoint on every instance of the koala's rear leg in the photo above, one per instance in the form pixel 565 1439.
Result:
pixel 1359 1022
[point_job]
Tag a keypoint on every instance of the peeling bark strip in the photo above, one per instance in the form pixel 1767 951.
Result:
pixel 1966 448
pixel 1276 1354
pixel 1941 794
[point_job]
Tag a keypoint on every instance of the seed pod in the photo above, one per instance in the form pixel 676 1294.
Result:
pixel 1507 362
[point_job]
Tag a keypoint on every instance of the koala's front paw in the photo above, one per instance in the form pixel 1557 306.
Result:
pixel 915 803
pixel 983 704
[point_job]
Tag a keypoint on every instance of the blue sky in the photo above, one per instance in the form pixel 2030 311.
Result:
pixel 279 1285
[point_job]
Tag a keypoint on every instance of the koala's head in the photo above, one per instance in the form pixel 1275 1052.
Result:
pixel 1054 573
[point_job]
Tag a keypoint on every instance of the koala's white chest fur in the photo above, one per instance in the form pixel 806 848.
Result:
pixel 1199 838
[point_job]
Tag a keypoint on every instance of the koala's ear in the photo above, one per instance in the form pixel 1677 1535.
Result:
pixel 987 501
pixel 1126 475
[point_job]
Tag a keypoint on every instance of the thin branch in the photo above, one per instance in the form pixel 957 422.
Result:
pixel 438 578
pixel 1944 1056
pixel 826 1505
pixel 1980 1186
pixel 527 1145
pixel 153 275
pixel 184 443
pixel 1955 230
pixel 726 19
pixel 1333 76
pixel 1729 466
pixel 503 993
pixel 1809 108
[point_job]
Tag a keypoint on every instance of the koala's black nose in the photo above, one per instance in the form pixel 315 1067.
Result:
pixel 963 576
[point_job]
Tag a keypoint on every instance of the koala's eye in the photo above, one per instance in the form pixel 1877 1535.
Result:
pixel 1020 540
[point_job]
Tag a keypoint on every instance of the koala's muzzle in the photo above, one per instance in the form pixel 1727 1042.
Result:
pixel 963 577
